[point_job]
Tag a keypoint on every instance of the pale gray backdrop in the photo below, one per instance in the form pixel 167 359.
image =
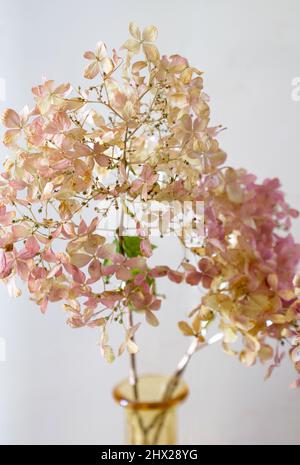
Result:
pixel 54 386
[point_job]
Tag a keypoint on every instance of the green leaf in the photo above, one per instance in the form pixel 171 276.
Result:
pixel 135 271
pixel 131 246
pixel 117 244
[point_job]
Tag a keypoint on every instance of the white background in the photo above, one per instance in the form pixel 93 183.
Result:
pixel 54 386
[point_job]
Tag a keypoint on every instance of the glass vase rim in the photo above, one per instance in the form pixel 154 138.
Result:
pixel 125 402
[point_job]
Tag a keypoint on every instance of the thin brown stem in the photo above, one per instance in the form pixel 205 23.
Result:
pixel 133 376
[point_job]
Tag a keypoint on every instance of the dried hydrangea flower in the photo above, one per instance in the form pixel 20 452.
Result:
pixel 141 132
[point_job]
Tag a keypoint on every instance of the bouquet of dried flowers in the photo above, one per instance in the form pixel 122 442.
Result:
pixel 139 135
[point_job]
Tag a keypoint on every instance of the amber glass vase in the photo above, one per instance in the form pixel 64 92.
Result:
pixel 150 418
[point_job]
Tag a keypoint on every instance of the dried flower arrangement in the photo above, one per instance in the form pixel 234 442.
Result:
pixel 141 133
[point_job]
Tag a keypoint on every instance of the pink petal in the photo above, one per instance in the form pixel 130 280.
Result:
pixel 175 276
pixel 193 278
pixel 146 248
pixel 94 269
pixel 2 261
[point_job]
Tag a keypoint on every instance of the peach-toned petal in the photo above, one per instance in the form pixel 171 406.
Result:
pixel 11 119
pixel 80 259
pixel 2 261
pixel 91 70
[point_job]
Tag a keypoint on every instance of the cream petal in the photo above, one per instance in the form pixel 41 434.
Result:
pixel 150 34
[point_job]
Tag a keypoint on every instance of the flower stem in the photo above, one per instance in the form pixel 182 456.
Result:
pixel 133 377
pixel 175 378
pixel 171 386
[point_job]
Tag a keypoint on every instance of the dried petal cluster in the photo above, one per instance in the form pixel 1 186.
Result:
pixel 141 131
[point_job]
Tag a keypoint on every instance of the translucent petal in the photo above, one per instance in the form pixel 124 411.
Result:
pixel 107 65
pixel 151 52
pixel 10 119
pixel 80 259
pixel 132 45
pixel 100 50
pixel 89 55
pixel 151 318
pixel 150 33
pixel 134 31
pixel 91 70
pixel 234 192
